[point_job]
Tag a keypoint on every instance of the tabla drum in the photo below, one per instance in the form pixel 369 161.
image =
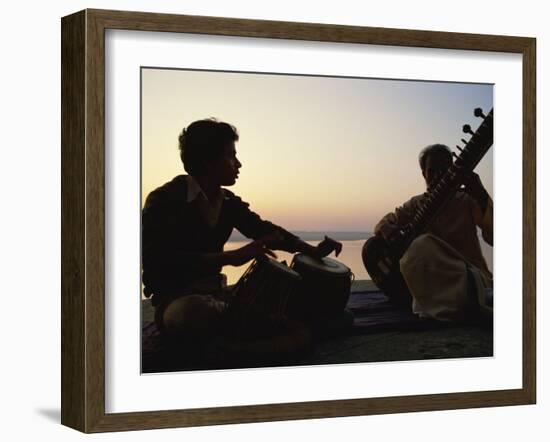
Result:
pixel 257 329
pixel 259 299
pixel 324 289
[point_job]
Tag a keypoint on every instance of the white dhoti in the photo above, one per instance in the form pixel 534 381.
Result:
pixel 443 284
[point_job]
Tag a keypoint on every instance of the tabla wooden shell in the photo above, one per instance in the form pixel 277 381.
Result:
pixel 324 290
pixel 257 328
pixel 263 291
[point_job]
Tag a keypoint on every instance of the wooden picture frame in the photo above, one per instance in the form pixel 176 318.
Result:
pixel 83 220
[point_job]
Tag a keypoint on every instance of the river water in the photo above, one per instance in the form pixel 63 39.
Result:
pixel 350 256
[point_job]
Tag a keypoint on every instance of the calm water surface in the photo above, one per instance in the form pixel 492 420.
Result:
pixel 350 256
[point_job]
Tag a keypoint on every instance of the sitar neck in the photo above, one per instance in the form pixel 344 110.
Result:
pixel 437 198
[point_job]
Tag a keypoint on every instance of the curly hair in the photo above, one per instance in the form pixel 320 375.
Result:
pixel 202 142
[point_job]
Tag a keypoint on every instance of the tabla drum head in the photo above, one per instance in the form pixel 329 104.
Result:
pixel 326 264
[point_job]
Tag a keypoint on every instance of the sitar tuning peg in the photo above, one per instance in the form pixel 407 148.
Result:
pixel 478 112
pixel 464 141
pixel 459 148
pixel 467 129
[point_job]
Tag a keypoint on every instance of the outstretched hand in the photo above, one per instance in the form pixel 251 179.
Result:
pixel 327 246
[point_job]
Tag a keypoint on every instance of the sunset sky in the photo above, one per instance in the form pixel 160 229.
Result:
pixel 318 153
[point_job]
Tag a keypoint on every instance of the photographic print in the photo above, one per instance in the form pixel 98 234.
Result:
pixel 299 220
pixel 251 204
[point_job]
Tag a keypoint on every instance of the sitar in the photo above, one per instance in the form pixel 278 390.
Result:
pixel 381 256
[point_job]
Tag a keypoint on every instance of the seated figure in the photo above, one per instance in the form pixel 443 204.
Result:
pixel 185 225
pixel 444 269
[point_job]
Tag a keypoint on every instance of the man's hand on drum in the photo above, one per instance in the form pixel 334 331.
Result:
pixel 255 249
pixel 327 246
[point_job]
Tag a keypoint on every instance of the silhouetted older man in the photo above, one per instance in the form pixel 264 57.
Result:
pixel 444 269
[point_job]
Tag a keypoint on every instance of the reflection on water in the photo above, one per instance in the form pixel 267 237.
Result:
pixel 350 256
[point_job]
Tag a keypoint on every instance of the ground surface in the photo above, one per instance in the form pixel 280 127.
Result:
pixel 368 344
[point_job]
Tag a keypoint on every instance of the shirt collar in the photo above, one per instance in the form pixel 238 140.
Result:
pixel 193 189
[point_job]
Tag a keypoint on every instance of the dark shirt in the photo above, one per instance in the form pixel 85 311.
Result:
pixel 175 235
